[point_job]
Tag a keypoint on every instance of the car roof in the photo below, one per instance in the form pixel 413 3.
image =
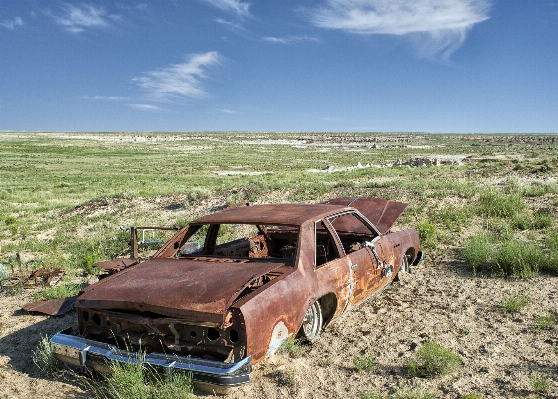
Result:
pixel 272 214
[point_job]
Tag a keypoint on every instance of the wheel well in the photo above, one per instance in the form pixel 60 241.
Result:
pixel 410 254
pixel 329 305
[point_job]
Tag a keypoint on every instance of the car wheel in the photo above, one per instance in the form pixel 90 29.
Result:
pixel 312 323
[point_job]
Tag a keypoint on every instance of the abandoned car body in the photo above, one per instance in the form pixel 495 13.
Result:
pixel 263 274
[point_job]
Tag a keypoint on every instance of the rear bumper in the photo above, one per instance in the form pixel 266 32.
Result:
pixel 82 352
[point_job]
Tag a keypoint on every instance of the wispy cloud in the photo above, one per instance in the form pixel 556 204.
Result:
pixel 290 39
pixel 227 111
pixel 180 80
pixel 12 24
pixel 76 19
pixel 147 107
pixel 240 8
pixel 438 26
pixel 106 98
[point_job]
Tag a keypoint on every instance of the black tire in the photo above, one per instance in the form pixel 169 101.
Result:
pixel 312 323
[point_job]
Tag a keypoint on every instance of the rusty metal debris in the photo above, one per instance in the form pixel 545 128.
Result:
pixel 262 274
pixel 136 244
pixel 53 307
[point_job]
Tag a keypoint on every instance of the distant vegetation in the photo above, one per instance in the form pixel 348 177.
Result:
pixel 63 196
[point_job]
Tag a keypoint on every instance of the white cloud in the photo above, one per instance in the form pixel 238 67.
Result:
pixel 12 24
pixel 180 80
pixel 227 111
pixel 147 107
pixel 106 98
pixel 290 39
pixel 237 7
pixel 77 18
pixel 439 26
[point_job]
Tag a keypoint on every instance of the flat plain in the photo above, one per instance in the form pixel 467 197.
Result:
pixel 484 205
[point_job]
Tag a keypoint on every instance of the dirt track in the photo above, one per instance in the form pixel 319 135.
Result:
pixel 440 301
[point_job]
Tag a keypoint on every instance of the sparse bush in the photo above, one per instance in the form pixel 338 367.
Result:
pixel 493 203
pixel 432 360
pixel 87 263
pixel 514 304
pixel 518 259
pixel 196 194
pixel 10 220
pixel 471 396
pixel 44 358
pixel 427 234
pixel 364 362
pixel 477 251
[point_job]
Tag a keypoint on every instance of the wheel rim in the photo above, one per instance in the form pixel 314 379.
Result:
pixel 309 323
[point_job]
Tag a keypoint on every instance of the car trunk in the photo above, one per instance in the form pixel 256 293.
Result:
pixel 197 289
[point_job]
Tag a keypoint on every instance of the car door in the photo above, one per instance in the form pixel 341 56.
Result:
pixel 363 249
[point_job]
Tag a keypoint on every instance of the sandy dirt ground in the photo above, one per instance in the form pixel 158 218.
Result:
pixel 440 301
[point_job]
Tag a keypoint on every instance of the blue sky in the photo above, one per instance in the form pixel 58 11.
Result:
pixel 279 65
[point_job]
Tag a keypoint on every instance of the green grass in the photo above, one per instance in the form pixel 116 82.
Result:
pixel 58 291
pixel 471 395
pixel 44 358
pixel 545 321
pixel 515 303
pixel 518 259
pixel 292 347
pixel 539 383
pixel 477 251
pixel 364 362
pixel 138 381
pixel 433 360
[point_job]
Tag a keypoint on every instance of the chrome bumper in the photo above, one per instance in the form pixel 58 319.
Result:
pixel 82 352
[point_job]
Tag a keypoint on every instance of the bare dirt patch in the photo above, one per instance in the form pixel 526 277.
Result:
pixel 440 301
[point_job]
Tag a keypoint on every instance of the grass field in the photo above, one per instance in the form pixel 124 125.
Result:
pixel 54 186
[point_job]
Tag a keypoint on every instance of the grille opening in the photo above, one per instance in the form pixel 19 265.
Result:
pixel 85 315
pixel 193 334
pixel 212 334
pixel 96 319
pixel 234 336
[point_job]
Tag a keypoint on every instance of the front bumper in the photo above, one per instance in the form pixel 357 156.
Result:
pixel 82 352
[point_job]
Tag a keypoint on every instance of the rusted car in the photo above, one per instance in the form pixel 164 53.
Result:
pixel 263 274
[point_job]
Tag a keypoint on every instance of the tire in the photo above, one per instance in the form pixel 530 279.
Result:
pixel 312 323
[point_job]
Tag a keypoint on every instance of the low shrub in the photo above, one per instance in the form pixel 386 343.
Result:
pixel 493 203
pixel 478 250
pixel 432 360
pixel 427 233
pixel 518 259
pixel 44 358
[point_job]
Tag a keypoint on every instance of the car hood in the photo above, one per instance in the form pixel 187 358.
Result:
pixel 381 212
pixel 198 289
